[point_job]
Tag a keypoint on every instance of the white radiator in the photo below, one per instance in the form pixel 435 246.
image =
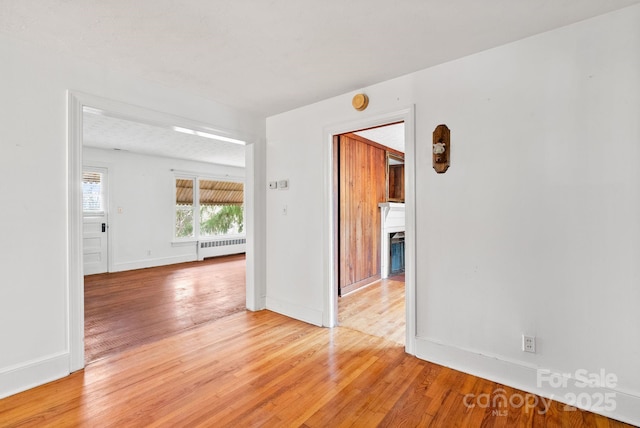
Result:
pixel 221 247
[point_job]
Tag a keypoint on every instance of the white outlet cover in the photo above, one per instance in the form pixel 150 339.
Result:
pixel 529 343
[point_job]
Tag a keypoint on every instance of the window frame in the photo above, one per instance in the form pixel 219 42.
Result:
pixel 104 189
pixel 196 205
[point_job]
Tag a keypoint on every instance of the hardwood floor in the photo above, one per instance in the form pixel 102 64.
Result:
pixel 264 369
pixel 126 309
pixel 377 309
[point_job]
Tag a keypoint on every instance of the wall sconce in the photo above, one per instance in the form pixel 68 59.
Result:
pixel 441 148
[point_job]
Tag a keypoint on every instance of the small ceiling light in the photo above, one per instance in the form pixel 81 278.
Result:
pixel 360 102
pixel 208 135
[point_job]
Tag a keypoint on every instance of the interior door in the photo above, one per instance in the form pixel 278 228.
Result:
pixel 362 186
pixel 95 220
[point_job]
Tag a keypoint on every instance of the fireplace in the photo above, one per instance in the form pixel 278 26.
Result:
pixel 391 238
pixel 396 244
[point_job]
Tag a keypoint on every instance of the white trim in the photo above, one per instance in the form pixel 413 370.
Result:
pixel 28 375
pixel 525 377
pixel 185 243
pixel 256 294
pixel 75 289
pixel 227 178
pixel 75 281
pixel 160 261
pixel 330 304
pixel 298 312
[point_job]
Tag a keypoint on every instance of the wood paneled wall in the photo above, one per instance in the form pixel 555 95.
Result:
pixel 396 183
pixel 362 186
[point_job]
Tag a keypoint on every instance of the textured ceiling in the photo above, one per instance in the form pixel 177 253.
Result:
pixel 105 132
pixel 391 136
pixel 270 56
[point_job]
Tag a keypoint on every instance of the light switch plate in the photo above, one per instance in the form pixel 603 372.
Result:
pixel 283 184
pixel 273 185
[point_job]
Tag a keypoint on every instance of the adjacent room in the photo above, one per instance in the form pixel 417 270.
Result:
pixel 163 231
pixel 369 202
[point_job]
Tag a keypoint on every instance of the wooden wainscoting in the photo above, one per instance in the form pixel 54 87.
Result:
pixel 362 186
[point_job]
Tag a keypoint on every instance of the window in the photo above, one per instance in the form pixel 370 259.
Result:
pixel 218 211
pixel 92 192
pixel 184 208
pixel 221 209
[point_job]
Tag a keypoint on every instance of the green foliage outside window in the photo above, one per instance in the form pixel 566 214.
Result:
pixel 184 221
pixel 214 220
pixel 221 219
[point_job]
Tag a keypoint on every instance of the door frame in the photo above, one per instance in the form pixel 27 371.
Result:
pixel 100 166
pixel 75 282
pixel 330 304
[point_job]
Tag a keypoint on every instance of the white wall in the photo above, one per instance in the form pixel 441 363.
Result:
pixel 534 229
pixel 34 332
pixel 144 188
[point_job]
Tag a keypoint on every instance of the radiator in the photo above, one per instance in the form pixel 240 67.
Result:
pixel 221 247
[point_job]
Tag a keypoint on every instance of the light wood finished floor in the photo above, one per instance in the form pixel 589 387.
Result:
pixel 377 309
pixel 126 309
pixel 264 369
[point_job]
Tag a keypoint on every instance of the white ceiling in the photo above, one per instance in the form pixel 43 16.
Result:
pixel 269 56
pixel 391 136
pixel 108 132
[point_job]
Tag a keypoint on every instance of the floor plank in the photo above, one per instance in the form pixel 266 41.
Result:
pixel 126 309
pixel 377 309
pixel 264 369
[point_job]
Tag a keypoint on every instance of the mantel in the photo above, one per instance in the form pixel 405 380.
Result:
pixel 392 221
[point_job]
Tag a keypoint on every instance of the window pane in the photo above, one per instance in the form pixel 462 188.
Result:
pixel 184 208
pixel 92 192
pixel 221 208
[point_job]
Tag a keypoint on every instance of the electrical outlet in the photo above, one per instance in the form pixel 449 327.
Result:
pixel 529 344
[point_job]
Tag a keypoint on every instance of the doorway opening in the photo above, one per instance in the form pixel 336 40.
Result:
pixel 369 225
pixel 81 154
pixel 150 294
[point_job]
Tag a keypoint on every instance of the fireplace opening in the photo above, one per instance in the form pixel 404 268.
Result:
pixel 397 252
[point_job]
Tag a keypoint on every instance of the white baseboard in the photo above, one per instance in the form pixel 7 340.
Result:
pixel 226 250
pixel 308 315
pixel 25 376
pixel 147 263
pixel 526 378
